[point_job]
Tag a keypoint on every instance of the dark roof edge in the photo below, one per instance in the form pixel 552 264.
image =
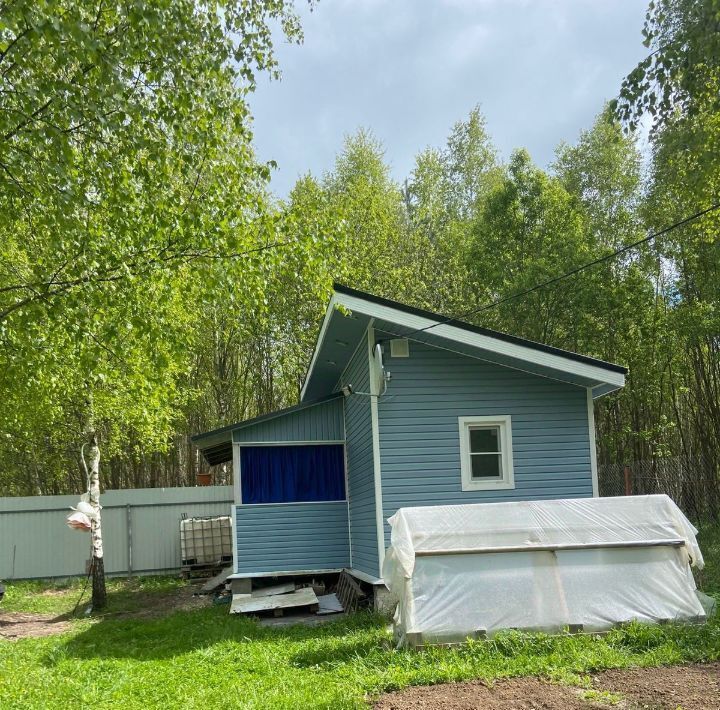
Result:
pixel 256 420
pixel 340 288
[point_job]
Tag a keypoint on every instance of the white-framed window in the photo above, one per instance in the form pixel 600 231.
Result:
pixel 486 459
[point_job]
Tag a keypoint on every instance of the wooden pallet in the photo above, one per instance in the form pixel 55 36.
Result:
pixel 189 571
pixel 349 592
pixel 277 603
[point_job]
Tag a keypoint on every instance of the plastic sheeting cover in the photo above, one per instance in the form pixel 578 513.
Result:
pixel 458 569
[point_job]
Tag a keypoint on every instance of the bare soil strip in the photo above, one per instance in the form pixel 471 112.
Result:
pixel 16 625
pixel 694 687
pixel 689 687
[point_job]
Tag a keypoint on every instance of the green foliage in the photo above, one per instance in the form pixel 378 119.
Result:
pixel 129 193
pixel 143 264
pixel 708 579
pixel 682 72
pixel 516 245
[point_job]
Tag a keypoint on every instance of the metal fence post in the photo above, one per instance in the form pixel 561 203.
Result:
pixel 628 480
pixel 128 525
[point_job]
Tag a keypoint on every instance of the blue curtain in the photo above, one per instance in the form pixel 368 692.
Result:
pixel 292 474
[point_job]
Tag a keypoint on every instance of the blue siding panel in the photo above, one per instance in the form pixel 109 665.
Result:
pixel 287 537
pixel 361 473
pixel 420 439
pixel 321 422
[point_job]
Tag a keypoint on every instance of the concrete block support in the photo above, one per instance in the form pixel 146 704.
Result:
pixel 241 586
pixel 384 601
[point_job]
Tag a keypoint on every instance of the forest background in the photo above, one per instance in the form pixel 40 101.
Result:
pixel 152 287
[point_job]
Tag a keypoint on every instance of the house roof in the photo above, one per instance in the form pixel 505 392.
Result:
pixel 216 445
pixel 351 311
pixel 346 321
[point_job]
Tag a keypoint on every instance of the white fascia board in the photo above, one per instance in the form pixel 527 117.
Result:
pixel 375 429
pixel 484 342
pixel 593 445
pixel 320 340
pixel 236 473
pixel 285 573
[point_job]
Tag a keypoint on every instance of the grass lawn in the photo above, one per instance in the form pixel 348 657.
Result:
pixel 207 659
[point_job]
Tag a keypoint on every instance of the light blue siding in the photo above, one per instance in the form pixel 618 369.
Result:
pixel 289 537
pixel 320 422
pixel 361 481
pixel 420 440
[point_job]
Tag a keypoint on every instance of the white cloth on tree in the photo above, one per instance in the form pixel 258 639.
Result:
pixel 86 509
pixel 79 521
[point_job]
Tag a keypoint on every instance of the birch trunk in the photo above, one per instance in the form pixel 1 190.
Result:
pixel 99 595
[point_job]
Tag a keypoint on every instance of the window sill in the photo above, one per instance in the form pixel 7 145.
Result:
pixel 488 485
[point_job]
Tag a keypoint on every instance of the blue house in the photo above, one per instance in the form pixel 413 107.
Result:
pixel 403 407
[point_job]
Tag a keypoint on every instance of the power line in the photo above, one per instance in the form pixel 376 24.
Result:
pixel 572 272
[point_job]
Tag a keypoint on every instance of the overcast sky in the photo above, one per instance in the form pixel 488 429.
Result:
pixel 408 69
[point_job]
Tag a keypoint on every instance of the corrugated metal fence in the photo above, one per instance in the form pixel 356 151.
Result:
pixel 140 531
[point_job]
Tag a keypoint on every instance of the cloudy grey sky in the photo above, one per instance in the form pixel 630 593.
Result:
pixel 408 69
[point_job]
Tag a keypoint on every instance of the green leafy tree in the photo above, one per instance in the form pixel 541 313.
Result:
pixel 528 230
pixel 692 258
pixel 126 174
pixel 682 73
pixel 468 161
pixel 375 250
pixel 678 88
pixel 443 195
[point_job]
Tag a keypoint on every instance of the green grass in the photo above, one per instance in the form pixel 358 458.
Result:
pixel 208 659
pixel 60 597
pixel 708 579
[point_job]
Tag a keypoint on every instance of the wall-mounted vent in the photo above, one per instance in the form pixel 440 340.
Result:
pixel 400 347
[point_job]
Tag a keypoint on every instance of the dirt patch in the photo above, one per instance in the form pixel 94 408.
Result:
pixel 140 605
pixel 17 625
pixel 152 605
pixel 688 687
pixel 514 694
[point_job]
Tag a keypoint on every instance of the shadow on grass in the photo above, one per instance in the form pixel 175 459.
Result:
pixel 344 651
pixel 123 595
pixel 187 631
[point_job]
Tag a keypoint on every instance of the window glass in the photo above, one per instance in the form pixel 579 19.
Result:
pixel 486 457
pixel 486 466
pixel 484 439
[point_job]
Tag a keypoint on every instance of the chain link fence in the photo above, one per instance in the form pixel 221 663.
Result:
pixel 692 482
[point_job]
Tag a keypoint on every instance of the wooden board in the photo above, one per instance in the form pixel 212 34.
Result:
pixel 329 604
pixel 275 589
pixel 214 582
pixel 242 604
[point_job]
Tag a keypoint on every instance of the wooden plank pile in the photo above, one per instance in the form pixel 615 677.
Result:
pixel 275 599
pixel 288 595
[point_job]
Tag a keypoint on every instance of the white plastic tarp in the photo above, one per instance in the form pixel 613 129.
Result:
pixel 595 562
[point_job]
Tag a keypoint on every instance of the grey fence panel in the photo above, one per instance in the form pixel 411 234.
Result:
pixel 35 542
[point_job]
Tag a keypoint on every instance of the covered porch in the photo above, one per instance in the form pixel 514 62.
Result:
pixel 290 512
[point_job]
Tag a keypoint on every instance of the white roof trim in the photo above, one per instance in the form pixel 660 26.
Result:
pixel 477 340
pixel 318 346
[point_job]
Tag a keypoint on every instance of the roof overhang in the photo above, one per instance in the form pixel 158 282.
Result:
pixel 350 312
pixel 216 445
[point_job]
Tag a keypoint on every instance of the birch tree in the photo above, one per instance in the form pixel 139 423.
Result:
pixel 97 562
pixel 129 193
